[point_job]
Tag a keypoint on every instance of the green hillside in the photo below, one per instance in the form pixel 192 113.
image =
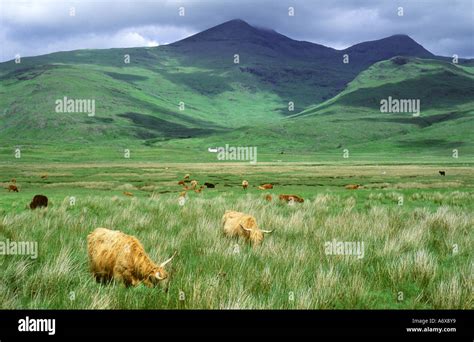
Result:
pixel 185 97
pixel 353 119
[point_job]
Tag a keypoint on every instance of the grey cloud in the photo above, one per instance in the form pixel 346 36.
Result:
pixel 38 27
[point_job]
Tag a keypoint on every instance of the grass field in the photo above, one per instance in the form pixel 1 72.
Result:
pixel 417 254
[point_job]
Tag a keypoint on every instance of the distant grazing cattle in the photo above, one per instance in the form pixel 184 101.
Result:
pixel 129 194
pixel 268 198
pixel 194 183
pixel 265 186
pixel 442 173
pixel 239 224
pixel 115 255
pixel 39 201
pixel 353 186
pixel 13 188
pixel 288 198
pixel 245 184
pixel 44 176
pixel 181 183
pixel 210 185
pixel 186 176
pixel 199 190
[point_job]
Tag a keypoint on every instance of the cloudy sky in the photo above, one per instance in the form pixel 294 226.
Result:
pixel 30 28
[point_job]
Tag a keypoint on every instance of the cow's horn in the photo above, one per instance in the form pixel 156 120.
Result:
pixel 158 276
pixel 267 231
pixel 247 229
pixel 167 261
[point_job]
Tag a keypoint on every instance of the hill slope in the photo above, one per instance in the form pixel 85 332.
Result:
pixel 353 119
pixel 221 101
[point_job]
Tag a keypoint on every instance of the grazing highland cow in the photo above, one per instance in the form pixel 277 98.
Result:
pixel 115 255
pixel 209 185
pixel 265 186
pixel 39 201
pixel 240 224
pixel 127 193
pixel 352 186
pixel 442 173
pixel 194 184
pixel 268 198
pixel 288 198
pixel 245 184
pixel 13 188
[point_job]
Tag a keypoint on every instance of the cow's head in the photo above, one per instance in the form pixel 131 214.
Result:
pixel 159 274
pixel 254 234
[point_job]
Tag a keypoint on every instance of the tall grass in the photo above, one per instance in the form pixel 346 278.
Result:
pixel 406 251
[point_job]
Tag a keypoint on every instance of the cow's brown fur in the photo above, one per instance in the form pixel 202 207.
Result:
pixel 13 188
pixel 118 256
pixel 265 186
pixel 186 176
pixel 269 198
pixel 352 186
pixel 288 198
pixel 39 201
pixel 234 223
pixel 181 182
pixel 129 194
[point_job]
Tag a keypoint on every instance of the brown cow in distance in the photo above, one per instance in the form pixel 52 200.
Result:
pixel 268 198
pixel 181 182
pixel 288 198
pixel 352 186
pixel 245 184
pixel 265 186
pixel 13 188
pixel 39 201
pixel 127 193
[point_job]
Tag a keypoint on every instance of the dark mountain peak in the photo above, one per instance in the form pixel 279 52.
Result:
pixel 236 30
pixel 385 48
pixel 255 39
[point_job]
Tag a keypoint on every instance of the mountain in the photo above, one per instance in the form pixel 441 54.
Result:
pixel 193 89
pixel 368 53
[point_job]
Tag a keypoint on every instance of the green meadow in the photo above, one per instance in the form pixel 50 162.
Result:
pixel 416 227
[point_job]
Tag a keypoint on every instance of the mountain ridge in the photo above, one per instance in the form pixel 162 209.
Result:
pixel 194 90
